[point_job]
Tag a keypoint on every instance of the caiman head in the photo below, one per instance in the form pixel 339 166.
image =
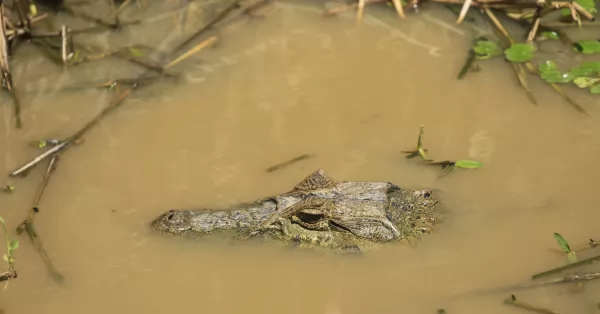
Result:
pixel 413 211
pixel 176 222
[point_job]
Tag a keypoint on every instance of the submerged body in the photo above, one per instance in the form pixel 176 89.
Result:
pixel 318 212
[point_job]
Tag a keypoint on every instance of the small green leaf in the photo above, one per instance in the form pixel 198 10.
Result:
pixel 549 35
pixel 595 89
pixel 519 53
pixel 5 257
pixel 562 242
pixel 14 244
pixel 587 47
pixel 33 9
pixel 2 220
pixel 550 73
pixel 585 82
pixel 468 164
pixel 587 69
pixel 485 49
pixel 136 53
pixel 9 188
pixel 588 5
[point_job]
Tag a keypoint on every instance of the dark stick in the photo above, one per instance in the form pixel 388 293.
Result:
pixel 234 5
pixel 7 82
pixel 568 266
pixel 289 162
pixel 8 275
pixel 27 224
pixel 512 300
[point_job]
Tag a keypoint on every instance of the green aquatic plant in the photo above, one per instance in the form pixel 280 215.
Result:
pixel 519 53
pixel 419 151
pixel 9 188
pixel 564 245
pixel 550 73
pixel 9 258
pixel 588 47
pixel 468 164
pixel 486 49
pixel 587 75
pixel 449 165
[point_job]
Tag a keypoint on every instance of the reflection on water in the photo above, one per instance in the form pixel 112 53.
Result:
pixel 276 87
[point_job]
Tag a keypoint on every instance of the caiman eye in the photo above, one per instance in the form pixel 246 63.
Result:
pixel 426 195
pixel 170 217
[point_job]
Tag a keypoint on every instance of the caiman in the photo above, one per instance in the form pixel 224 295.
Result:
pixel 318 212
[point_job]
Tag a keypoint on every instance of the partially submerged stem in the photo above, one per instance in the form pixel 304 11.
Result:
pixel 512 300
pixel 463 11
pixel 234 5
pixel 535 26
pixel 360 12
pixel 8 275
pixel 517 68
pixel 7 82
pixel 399 9
pixel 568 266
pixel 27 224
pixel 209 41
pixel 578 277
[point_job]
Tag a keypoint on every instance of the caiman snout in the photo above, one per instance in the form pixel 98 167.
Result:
pixel 173 222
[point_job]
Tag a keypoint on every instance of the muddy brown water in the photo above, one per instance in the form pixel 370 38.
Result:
pixel 273 88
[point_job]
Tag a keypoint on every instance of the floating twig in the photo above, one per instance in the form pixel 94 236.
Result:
pixel 234 5
pixel 568 266
pixel 207 42
pixel 289 162
pixel 577 277
pixel 512 300
pixel 360 12
pixel 463 11
pixel 399 9
pixel 253 8
pixel 27 224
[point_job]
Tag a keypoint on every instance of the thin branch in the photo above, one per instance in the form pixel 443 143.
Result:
pixel 27 224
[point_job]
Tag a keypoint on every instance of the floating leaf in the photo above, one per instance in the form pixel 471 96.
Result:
pixel 9 188
pixel 485 49
pixel 33 10
pixel 468 164
pixel 587 69
pixel 585 82
pixel 519 53
pixel 562 242
pixel 14 244
pixel 549 72
pixel 549 35
pixel 135 52
pixel 595 89
pixel 587 47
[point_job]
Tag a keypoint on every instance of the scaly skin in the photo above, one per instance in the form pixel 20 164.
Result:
pixel 318 212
